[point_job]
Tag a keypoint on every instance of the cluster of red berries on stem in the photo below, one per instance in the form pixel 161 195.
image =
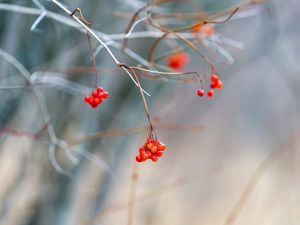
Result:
pixel 96 97
pixel 215 83
pixel 178 61
pixel 151 149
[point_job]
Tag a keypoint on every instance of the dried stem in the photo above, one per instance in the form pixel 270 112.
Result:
pixel 132 194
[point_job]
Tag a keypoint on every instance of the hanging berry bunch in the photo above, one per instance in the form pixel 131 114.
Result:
pixel 151 149
pixel 215 83
pixel 96 97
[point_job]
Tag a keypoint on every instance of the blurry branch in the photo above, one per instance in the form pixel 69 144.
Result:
pixel 14 87
pixel 90 31
pixel 132 193
pixel 32 11
pixel 53 80
pixel 129 131
pixel 107 38
pixel 20 133
pixel 242 6
pixel 54 141
pixel 42 15
pixel 156 192
pixel 263 167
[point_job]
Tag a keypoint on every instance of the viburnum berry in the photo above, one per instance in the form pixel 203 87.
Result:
pixel 95 98
pixel 138 158
pixel 213 85
pixel 214 78
pixel 154 158
pixel 151 149
pixel 215 82
pixel 178 61
pixel 208 30
pixel 210 93
pixel 205 30
pixel 219 84
pixel 197 28
pixel 200 92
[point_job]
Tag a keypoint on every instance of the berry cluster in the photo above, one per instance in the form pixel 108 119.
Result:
pixel 215 83
pixel 178 61
pixel 152 149
pixel 95 98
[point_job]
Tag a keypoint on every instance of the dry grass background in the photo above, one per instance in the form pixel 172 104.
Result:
pixel 241 168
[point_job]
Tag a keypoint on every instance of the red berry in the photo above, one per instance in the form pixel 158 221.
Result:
pixel 200 92
pixel 150 145
pixel 94 105
pixel 97 101
pixel 159 153
pixel 208 31
pixel 86 99
pixel 100 95
pixel 138 158
pixel 149 154
pixel 105 94
pixel 142 150
pixel 144 156
pixel 99 89
pixel 213 85
pixel 94 94
pixel 91 100
pixel 154 149
pixel 197 28
pixel 210 93
pixel 214 78
pixel 178 61
pixel 220 84
pixel 154 158
pixel 161 146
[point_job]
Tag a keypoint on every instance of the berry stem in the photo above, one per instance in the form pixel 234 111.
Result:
pixel 142 95
pixel 93 57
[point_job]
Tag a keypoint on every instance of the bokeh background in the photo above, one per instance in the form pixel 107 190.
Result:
pixel 233 159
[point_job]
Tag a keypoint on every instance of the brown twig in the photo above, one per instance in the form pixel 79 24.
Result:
pixel 132 194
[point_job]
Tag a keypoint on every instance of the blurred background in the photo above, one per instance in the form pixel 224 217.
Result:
pixel 231 159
